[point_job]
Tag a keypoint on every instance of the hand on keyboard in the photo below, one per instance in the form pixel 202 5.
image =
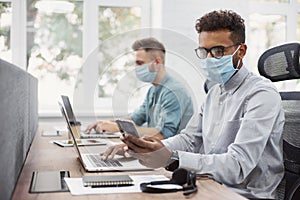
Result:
pixel 113 150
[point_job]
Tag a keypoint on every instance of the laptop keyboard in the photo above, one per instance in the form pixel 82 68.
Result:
pixel 96 160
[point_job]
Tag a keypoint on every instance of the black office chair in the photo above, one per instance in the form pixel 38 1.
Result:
pixel 279 64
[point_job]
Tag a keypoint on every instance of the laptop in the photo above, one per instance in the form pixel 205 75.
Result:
pixel 92 162
pixel 72 119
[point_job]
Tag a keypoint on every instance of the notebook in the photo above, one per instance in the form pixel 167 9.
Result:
pixel 107 181
pixel 72 119
pixel 94 163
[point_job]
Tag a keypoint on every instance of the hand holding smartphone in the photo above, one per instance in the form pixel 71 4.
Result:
pixel 127 126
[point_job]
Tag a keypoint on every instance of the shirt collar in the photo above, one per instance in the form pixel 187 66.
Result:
pixel 160 85
pixel 163 82
pixel 165 79
pixel 235 81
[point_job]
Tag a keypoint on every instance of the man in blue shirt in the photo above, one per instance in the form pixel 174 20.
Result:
pixel 167 107
pixel 236 137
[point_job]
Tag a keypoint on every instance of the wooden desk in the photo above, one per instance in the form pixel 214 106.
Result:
pixel 45 156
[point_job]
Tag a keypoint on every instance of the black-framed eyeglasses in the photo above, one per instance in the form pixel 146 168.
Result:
pixel 216 52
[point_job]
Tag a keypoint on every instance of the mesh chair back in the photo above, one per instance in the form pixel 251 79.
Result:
pixel 278 64
pixel 291 135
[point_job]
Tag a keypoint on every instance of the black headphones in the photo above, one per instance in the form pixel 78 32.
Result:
pixel 180 177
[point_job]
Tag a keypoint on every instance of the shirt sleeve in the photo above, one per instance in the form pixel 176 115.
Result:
pixel 242 156
pixel 139 115
pixel 169 115
pixel 190 138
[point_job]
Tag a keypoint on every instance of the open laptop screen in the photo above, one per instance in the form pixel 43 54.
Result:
pixel 70 129
pixel 69 109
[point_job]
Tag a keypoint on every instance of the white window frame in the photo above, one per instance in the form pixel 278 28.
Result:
pixel 290 10
pixel 84 98
pixel 18 32
pixel 90 28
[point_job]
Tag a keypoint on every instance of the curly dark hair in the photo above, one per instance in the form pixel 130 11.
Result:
pixel 223 20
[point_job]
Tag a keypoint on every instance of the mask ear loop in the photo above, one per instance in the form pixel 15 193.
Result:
pixel 240 58
pixel 236 50
pixel 238 64
pixel 236 68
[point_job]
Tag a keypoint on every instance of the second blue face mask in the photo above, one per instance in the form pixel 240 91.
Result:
pixel 143 74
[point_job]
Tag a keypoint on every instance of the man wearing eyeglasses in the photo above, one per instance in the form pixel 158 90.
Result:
pixel 236 137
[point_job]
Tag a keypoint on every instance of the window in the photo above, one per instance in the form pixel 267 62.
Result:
pixel 265 31
pixel 113 21
pixel 82 48
pixel 109 30
pixel 59 45
pixel 54 47
pixel 272 27
pixel 5 29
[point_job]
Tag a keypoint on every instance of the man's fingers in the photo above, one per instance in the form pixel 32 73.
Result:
pixel 91 126
pixel 104 155
pixel 140 143
pixel 152 139
pixel 88 129
pixel 153 159
pixel 135 148
pixel 98 128
pixel 134 140
pixel 114 152
pixel 126 154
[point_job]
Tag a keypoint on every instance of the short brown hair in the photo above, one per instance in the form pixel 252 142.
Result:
pixel 148 44
pixel 223 20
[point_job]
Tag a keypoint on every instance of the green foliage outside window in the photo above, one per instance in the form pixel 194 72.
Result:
pixel 5 31
pixel 112 22
pixel 53 38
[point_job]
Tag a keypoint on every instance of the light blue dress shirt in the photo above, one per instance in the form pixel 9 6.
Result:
pixel 167 107
pixel 237 136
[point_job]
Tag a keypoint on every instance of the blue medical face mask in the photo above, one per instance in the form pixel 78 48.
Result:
pixel 143 74
pixel 218 70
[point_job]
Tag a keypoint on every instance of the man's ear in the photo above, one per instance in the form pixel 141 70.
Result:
pixel 242 51
pixel 158 60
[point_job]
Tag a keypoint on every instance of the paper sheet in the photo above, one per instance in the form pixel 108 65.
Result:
pixel 76 187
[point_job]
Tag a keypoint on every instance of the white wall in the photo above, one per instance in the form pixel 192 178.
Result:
pixel 178 18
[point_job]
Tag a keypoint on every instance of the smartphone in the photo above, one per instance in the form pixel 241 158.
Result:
pixel 127 126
